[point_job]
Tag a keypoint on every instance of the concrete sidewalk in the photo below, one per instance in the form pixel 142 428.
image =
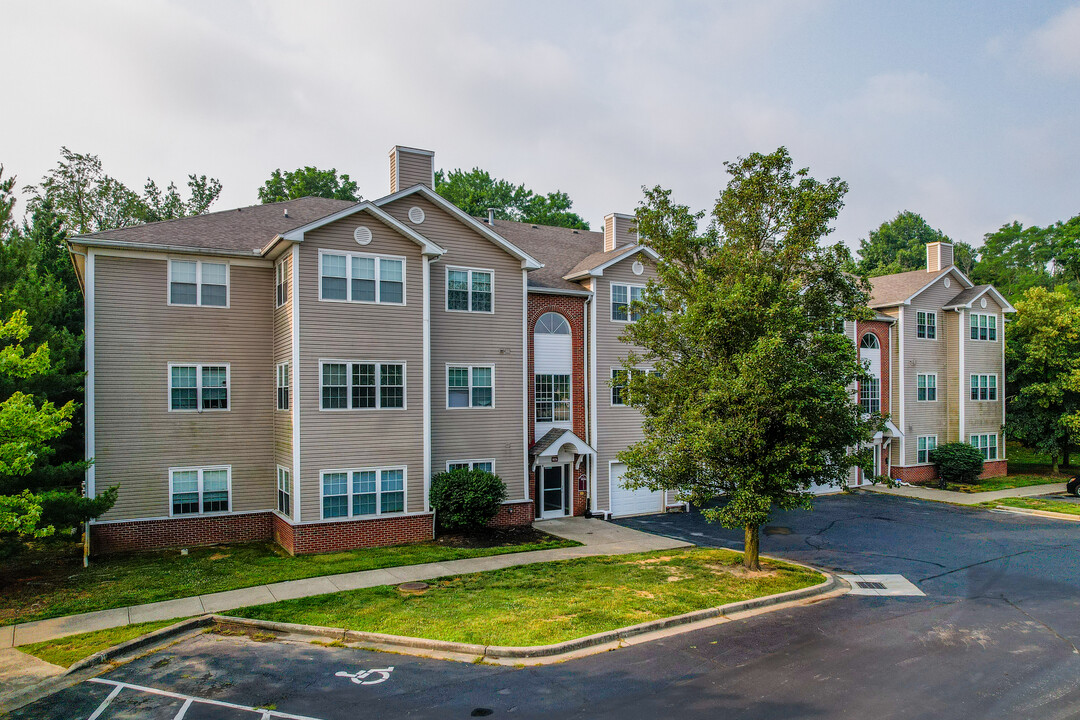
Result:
pixel 962 498
pixel 597 538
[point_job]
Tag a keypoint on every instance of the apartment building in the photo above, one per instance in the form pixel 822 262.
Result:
pixel 299 370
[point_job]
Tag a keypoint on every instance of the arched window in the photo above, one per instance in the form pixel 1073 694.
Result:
pixel 869 341
pixel 552 324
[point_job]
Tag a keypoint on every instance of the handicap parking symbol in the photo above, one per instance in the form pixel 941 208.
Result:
pixel 367 677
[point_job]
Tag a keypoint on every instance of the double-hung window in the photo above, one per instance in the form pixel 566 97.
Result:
pixel 983 327
pixel 284 491
pixel 470 386
pixel 197 388
pixel 194 282
pixel 469 290
pixel 198 490
pixel 926 445
pixel 621 298
pixel 926 325
pixel 283 386
pixel 552 398
pixel 362 385
pixel 870 395
pixel 987 445
pixel 361 277
pixel 485 465
pixel 363 491
pixel 984 387
pixel 620 384
pixel 927 390
pixel 281 282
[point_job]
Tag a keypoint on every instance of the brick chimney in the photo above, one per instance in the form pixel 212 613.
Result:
pixel 411 166
pixel 619 231
pixel 938 256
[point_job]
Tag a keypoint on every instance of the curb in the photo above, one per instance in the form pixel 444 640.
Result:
pixel 1039 513
pixel 567 647
pixel 153 638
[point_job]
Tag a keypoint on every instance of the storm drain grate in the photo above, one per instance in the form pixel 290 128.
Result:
pixel 881 585
pixel 870 585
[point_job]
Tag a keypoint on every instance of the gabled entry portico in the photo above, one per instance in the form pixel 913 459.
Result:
pixel 553 459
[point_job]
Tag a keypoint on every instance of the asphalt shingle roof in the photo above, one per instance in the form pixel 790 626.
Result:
pixel 560 249
pixel 967 295
pixel 894 289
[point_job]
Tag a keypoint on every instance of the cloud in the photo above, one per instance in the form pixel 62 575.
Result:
pixel 1056 45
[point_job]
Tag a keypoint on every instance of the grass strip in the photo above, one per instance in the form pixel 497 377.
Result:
pixel 547 603
pixel 1007 482
pixel 1058 506
pixel 68 650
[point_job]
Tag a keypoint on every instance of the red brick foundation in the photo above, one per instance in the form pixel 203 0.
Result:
pixel 995 468
pixel 926 474
pixel 180 532
pixel 513 514
pixel 355 534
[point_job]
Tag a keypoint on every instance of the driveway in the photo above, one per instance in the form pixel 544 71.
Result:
pixel 994 637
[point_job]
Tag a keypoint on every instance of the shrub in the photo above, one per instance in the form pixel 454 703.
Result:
pixel 466 499
pixel 957 462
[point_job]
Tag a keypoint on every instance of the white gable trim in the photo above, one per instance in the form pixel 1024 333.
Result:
pixel 566 438
pixel 429 247
pixel 1006 306
pixel 527 261
pixel 598 271
pixel 952 269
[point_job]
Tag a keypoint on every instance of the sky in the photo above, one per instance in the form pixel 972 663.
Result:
pixel 965 112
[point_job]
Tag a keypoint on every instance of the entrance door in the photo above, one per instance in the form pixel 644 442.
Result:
pixel 551 492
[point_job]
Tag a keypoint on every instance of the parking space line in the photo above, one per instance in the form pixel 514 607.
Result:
pixel 189 699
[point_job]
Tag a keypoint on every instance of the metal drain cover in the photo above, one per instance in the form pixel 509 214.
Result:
pixel 870 585
pixel 413 587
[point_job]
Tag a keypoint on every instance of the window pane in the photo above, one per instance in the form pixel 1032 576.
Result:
pixel 183 503
pixel 393 491
pixel 334 386
pixel 618 302
pixel 215 394
pixel 391 281
pixel 334 283
pixel 392 386
pixel 457 294
pixel 337 506
pixel 458 384
pixel 182 293
pixel 183 382
pixel 481 292
pixel 457 466
pixel 184 271
pixel 363 279
pixel 485 466
pixel 481 397
pixel 481 377
pixel 215 295
pixel 185 492
pixel 335 495
pixel 213 273
pixel 458 397
pixel 391 292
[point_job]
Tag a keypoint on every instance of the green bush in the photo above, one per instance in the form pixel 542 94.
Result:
pixel 466 499
pixel 957 462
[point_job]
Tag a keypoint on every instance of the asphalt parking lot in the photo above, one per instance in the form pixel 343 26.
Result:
pixel 995 636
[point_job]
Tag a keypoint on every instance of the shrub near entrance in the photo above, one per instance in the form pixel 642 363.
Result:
pixel 466 499
pixel 957 462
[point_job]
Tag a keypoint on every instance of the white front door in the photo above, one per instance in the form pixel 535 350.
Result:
pixel 551 492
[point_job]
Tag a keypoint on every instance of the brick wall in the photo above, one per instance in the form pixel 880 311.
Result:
pixel 354 534
pixel 880 330
pixel 926 474
pixel 283 534
pixel 995 468
pixel 514 514
pixel 180 532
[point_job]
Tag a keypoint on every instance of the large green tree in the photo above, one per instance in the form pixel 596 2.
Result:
pixel 1042 365
pixel 476 191
pixel 307 181
pixel 750 398
pixel 899 245
pixel 1016 258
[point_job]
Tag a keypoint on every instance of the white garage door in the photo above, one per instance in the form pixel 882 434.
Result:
pixel 632 502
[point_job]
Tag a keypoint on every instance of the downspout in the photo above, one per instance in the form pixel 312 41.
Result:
pixel 588 405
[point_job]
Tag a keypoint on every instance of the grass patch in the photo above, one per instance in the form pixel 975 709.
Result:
pixel 547 602
pixel 1006 482
pixel 68 650
pixel 50 581
pixel 1058 506
pixel 1025 461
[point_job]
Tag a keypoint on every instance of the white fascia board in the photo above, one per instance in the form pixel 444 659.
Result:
pixel 429 247
pixel 580 446
pixel 1006 306
pixel 89 242
pixel 598 271
pixel 559 291
pixel 951 269
pixel 527 261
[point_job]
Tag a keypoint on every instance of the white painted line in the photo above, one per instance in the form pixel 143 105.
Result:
pixel 190 698
pixel 105 703
pixel 183 711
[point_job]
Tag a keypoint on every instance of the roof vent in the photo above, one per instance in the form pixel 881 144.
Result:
pixel 534 227
pixel 416 215
pixel 362 235
pixel 576 232
pixel 286 212
pixel 491 216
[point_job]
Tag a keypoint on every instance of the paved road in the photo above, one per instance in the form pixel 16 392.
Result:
pixel 995 637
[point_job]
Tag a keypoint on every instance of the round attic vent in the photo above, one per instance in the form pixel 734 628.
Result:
pixel 416 215
pixel 362 235
pixel 947 282
pixel 637 267
pixel 982 303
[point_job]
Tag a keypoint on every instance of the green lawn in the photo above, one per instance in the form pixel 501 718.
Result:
pixel 67 650
pixel 1024 461
pixel 1006 482
pixel 1031 503
pixel 46 583
pixel 549 602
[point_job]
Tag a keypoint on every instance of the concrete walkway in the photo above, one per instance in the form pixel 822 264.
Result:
pixel 597 538
pixel 962 498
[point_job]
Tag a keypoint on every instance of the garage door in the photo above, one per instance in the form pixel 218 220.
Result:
pixel 632 502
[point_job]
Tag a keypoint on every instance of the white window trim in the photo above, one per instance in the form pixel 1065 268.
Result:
pixel 277 489
pixel 470 406
pixel 569 400
pixel 997 452
pixel 928 313
pixel 471 463
pixel 611 388
pixel 927 375
pixel 278 386
pixel 378 384
pixel 917 439
pixel 201 469
pixel 629 300
pixel 281 277
pixel 975 316
pixel 198 283
pixel 198 387
pixel 378 273
pixel 997 388
pixel 378 491
pixel 470 270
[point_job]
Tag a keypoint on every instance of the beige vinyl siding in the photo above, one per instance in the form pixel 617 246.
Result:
pixel 463 338
pixel 283 330
pixel 137 334
pixel 347 439
pixel 413 169
pixel 952 365
pixel 617 427
pixel 894 380
pixel 983 357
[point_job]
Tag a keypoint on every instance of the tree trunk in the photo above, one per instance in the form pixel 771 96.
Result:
pixel 750 549
pixel 1065 455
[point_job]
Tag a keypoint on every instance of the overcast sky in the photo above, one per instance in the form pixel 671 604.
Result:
pixel 966 112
